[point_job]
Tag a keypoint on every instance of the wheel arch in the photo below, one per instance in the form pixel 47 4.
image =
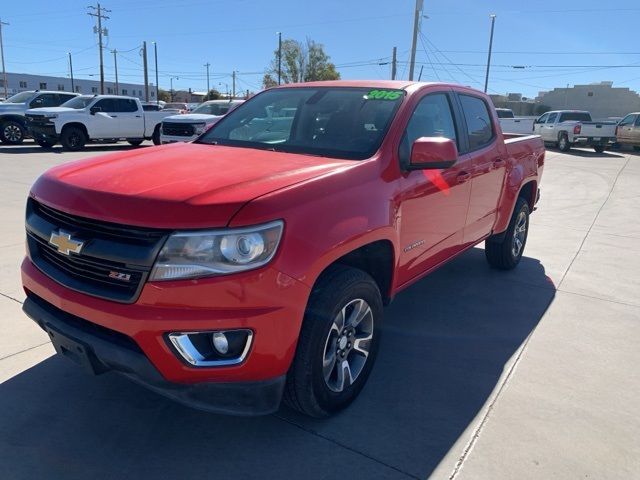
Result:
pixel 15 118
pixel 80 125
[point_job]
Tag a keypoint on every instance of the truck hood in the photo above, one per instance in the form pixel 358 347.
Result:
pixel 174 186
pixel 192 117
pixel 43 110
pixel 11 107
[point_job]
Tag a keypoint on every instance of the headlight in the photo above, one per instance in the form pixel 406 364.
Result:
pixel 199 128
pixel 51 115
pixel 216 252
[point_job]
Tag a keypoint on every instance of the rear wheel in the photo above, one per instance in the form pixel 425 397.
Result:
pixel 73 139
pixel 599 148
pixel 338 342
pixel 504 251
pixel 563 143
pixel 135 142
pixel 12 132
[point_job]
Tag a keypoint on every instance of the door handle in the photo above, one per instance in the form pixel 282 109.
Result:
pixel 463 177
pixel 113 116
pixel 499 163
pixel 138 116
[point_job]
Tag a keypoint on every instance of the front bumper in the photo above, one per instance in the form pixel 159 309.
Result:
pixel 43 132
pixel 176 138
pixel 99 350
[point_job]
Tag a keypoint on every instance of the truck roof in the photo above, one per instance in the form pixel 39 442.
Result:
pixel 399 84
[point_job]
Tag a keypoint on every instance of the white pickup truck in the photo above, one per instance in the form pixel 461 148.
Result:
pixel 509 123
pixel 90 118
pixel 574 128
pixel 188 127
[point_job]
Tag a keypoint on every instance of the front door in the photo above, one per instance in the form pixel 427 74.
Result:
pixel 433 203
pixel 625 128
pixel 487 162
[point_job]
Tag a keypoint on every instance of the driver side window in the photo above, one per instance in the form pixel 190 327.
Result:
pixel 628 120
pixel 432 117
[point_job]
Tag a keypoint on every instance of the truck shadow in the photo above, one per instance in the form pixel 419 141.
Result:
pixel 32 148
pixel 446 342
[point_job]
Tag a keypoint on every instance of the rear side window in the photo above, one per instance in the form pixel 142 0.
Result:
pixel 479 125
pixel 637 124
pixel 431 118
pixel 552 118
pixel 127 105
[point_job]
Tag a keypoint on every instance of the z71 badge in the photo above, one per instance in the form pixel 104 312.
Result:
pixel 123 277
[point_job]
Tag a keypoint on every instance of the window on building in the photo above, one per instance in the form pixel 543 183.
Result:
pixel 109 90
pixel 78 89
pixel 94 89
pixel 479 124
pixel 124 91
pixel 1 82
pixel 43 85
pixel 589 94
pixel 60 87
pixel 153 94
pixel 140 92
pixel 23 84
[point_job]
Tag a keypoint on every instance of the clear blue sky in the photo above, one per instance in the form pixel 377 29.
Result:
pixel 557 42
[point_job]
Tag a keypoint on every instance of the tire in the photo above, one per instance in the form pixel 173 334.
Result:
pixel 44 143
pixel 73 139
pixel 563 143
pixel 599 148
pixel 12 132
pixel 135 142
pixel 310 388
pixel 155 138
pixel 502 250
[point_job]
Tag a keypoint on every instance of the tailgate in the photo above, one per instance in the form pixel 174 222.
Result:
pixel 597 129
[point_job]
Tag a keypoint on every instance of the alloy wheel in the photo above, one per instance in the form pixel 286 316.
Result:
pixel 12 133
pixel 519 234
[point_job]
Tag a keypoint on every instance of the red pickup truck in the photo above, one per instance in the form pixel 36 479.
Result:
pixel 253 265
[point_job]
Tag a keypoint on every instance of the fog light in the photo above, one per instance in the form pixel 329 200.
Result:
pixel 220 343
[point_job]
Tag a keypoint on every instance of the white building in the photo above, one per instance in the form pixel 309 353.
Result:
pixel 19 82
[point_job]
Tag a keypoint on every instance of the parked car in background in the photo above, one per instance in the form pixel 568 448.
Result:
pixel 185 128
pixel 512 124
pixel 254 263
pixel 574 128
pixel 151 107
pixel 90 118
pixel 628 131
pixel 13 129
pixel 176 107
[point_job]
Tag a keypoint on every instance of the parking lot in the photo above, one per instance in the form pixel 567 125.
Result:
pixel 482 374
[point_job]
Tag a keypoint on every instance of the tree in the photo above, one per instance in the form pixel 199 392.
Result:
pixel 164 95
pixel 212 95
pixel 301 62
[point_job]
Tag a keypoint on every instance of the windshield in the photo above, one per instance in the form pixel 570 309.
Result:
pixel 575 116
pixel 78 102
pixel 213 108
pixel 22 97
pixel 175 106
pixel 337 122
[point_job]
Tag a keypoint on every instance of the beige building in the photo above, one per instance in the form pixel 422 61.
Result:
pixel 602 99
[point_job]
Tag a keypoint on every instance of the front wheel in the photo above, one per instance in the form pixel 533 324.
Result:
pixel 563 143
pixel 45 143
pixel 73 139
pixel 12 132
pixel 338 342
pixel 135 142
pixel 599 148
pixel 155 138
pixel 504 251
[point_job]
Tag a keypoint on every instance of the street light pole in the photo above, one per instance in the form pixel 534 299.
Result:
pixel 115 64
pixel 171 80
pixel 155 56
pixel 486 78
pixel 73 88
pixel 279 57
pixel 208 88
pixel 4 72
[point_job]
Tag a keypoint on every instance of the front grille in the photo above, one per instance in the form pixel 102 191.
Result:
pixel 35 120
pixel 114 261
pixel 177 129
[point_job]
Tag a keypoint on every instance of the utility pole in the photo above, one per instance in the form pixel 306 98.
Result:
pixel 155 55
pixel 115 64
pixel 420 76
pixel 100 31
pixel 146 71
pixel 416 27
pixel 279 57
pixel 208 88
pixel 486 78
pixel 4 72
pixel 233 91
pixel 394 63
pixel 73 88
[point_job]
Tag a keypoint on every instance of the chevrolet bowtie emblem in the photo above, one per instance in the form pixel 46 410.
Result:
pixel 64 243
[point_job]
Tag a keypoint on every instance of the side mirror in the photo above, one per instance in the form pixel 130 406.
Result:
pixel 432 153
pixel 94 110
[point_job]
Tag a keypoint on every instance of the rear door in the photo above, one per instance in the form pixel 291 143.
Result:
pixel 130 121
pixel 433 203
pixel 549 128
pixel 487 159
pixel 625 128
